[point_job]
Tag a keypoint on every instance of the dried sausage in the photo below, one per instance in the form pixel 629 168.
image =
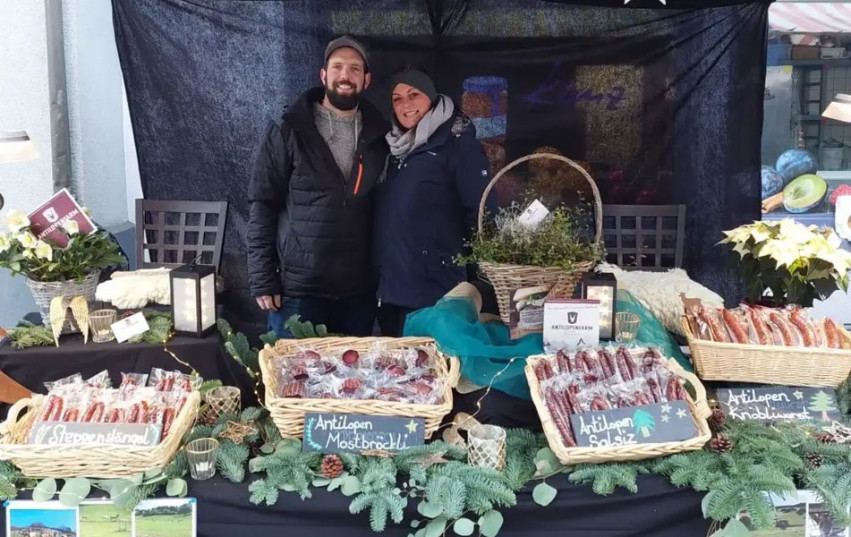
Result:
pixel 735 325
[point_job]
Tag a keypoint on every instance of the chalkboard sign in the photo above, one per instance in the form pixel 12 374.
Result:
pixel 56 433
pixel 646 424
pixel 783 403
pixel 355 433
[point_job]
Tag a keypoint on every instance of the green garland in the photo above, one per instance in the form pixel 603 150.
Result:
pixel 26 334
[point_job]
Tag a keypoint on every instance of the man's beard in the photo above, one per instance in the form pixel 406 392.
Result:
pixel 342 102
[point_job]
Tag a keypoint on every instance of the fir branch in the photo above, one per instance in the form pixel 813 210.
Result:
pixel 605 478
pixel 27 335
pixel 262 491
pixel 231 460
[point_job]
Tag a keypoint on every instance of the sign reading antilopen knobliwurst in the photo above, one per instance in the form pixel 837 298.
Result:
pixel 354 433
pixel 57 433
pixel 645 424
pixel 779 403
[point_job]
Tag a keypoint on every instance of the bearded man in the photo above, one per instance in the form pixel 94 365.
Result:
pixel 310 217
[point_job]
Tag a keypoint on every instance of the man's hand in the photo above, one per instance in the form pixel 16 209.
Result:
pixel 269 302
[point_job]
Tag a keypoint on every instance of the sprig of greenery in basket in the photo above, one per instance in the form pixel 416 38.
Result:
pixel 557 241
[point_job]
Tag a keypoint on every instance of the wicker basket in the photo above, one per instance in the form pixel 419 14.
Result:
pixel 574 455
pixel 507 278
pixel 791 366
pixel 44 292
pixel 288 413
pixel 86 460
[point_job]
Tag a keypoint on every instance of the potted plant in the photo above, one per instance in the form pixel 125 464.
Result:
pixel 794 262
pixel 51 271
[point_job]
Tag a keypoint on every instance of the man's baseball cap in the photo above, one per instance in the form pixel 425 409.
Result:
pixel 346 41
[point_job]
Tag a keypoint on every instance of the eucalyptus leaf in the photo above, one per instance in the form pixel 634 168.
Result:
pixel 289 446
pixel 267 449
pixel 464 527
pixel 436 527
pixel 137 479
pixel 351 486
pixel 321 481
pixel 429 510
pixel 546 461
pixel 289 487
pixel 415 524
pixel 45 490
pixel 176 487
pixel 490 523
pixel 74 491
pixel 153 474
pixel 704 503
pixel 336 483
pixel 544 494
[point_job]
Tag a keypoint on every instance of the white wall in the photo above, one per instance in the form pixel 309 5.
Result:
pixel 24 105
pixel 95 108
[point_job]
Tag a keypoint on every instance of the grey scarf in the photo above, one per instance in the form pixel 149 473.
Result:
pixel 403 142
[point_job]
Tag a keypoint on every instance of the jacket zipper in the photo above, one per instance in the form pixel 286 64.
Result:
pixel 360 174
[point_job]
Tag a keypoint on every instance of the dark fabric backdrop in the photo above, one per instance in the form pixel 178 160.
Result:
pixel 672 96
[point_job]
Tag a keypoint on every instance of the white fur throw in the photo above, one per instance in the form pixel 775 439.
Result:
pixel 135 289
pixel 659 292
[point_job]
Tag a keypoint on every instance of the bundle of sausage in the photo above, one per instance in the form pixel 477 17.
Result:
pixel 397 375
pixel 601 380
pixel 757 325
pixel 73 400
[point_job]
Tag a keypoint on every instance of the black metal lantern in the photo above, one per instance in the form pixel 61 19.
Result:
pixel 602 286
pixel 193 299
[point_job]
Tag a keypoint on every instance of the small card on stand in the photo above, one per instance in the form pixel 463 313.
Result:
pixel 130 326
pixel 356 433
pixel 571 323
pixel 533 215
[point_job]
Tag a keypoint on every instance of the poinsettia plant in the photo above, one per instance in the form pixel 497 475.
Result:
pixel 797 263
pixel 41 260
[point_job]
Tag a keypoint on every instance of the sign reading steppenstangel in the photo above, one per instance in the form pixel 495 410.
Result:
pixel 779 403
pixel 355 433
pixel 645 424
pixel 58 433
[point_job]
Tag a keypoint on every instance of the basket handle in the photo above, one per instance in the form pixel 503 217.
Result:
pixel 700 404
pixel 454 372
pixel 12 417
pixel 598 202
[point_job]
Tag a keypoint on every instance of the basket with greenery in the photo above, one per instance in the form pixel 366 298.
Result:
pixel 512 256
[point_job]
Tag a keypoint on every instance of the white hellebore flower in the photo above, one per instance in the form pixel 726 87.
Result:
pixel 71 226
pixel 27 239
pixel 5 242
pixel 16 221
pixel 43 251
pixel 28 254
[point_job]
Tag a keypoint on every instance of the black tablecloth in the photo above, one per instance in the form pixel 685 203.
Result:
pixel 33 366
pixel 658 510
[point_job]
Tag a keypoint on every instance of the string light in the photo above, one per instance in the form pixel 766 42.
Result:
pixel 479 401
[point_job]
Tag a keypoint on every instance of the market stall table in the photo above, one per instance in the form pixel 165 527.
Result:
pixel 657 510
pixel 34 366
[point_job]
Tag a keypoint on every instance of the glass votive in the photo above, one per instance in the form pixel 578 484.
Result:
pixel 222 400
pixel 201 455
pixel 100 322
pixel 626 326
pixel 486 446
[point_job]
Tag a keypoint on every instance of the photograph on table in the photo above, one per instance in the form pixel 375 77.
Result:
pixel 26 518
pixel 104 519
pixel 166 517
pixel 799 515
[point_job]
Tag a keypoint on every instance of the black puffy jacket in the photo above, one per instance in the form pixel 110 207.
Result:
pixel 309 228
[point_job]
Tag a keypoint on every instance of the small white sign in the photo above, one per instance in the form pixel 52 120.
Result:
pixel 570 324
pixel 533 214
pixel 131 326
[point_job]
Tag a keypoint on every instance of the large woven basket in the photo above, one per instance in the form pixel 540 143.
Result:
pixel 507 278
pixel 86 460
pixel 768 364
pixel 288 413
pixel 44 292
pixel 574 455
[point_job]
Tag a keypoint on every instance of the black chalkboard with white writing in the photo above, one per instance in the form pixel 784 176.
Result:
pixel 779 403
pixel 356 433
pixel 646 424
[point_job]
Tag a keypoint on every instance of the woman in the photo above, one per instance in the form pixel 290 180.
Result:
pixel 428 202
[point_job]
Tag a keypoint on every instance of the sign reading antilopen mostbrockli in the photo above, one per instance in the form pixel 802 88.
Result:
pixel 646 424
pixel 355 433
pixel 779 403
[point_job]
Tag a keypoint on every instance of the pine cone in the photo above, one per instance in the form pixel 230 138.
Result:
pixel 825 438
pixel 332 466
pixel 813 459
pixel 717 420
pixel 720 444
pixel 209 418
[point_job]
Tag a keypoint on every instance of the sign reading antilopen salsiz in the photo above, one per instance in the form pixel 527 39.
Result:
pixel 355 433
pixel 779 403
pixel 645 424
